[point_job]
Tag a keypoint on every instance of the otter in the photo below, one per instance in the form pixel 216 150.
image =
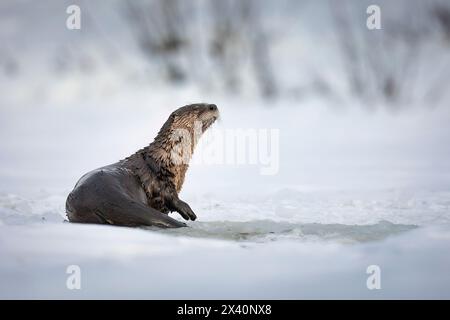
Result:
pixel 143 188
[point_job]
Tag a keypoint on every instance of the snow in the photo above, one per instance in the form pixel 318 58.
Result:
pixel 356 186
pixel 375 193
pixel 132 263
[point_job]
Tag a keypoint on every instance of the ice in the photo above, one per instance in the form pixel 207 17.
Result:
pixel 357 185
pixel 379 196
pixel 133 263
pixel 268 230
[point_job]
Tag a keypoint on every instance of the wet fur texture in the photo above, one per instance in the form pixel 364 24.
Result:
pixel 143 188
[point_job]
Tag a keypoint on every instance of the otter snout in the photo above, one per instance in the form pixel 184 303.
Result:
pixel 187 116
pixel 209 115
pixel 211 111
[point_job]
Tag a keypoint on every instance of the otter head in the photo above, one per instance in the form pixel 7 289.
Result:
pixel 194 117
pixel 175 142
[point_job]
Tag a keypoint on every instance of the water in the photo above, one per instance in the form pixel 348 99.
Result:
pixel 261 231
pixel 314 216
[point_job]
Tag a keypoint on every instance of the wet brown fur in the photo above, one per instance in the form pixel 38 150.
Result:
pixel 155 169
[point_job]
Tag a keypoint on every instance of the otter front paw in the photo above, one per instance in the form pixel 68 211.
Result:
pixel 184 210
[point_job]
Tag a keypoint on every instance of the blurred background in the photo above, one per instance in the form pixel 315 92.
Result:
pixel 364 145
pixel 355 107
pixel 274 50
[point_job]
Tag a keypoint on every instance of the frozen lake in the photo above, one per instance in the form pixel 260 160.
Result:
pixel 360 173
pixel 354 189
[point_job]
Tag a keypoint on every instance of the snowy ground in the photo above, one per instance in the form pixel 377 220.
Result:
pixel 353 189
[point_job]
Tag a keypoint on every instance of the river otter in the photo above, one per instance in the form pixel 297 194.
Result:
pixel 142 189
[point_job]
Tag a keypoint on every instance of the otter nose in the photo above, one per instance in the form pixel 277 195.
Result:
pixel 212 107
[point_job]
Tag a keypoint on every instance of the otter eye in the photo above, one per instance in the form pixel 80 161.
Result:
pixel 212 107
